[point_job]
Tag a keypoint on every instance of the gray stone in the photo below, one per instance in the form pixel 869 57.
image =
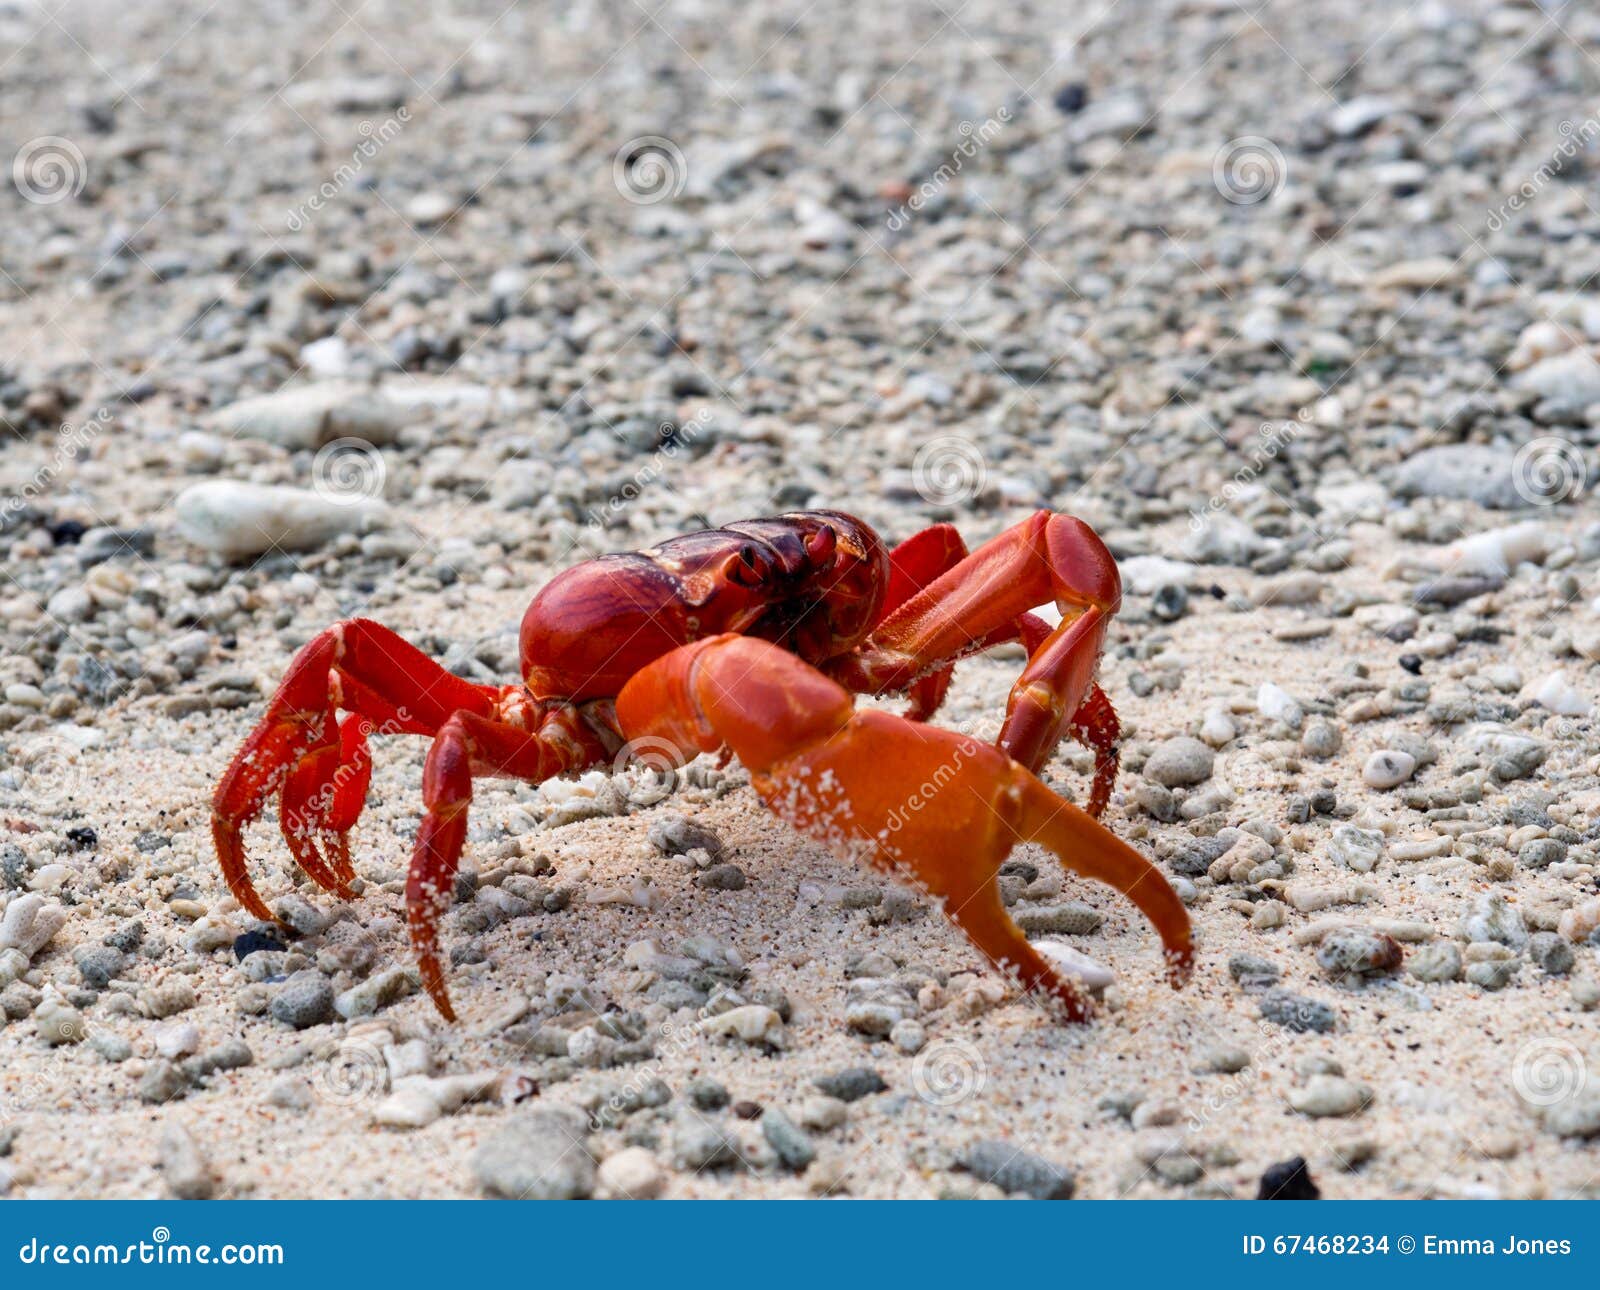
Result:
pixel 162 1082
pixel 1552 953
pixel 698 1144
pixel 1440 961
pixel 793 1146
pixel 1180 762
pixel 1495 974
pixel 851 1084
pixel 1253 971
pixel 676 835
pixel 1013 1170
pixel 541 1154
pixel 1297 1013
pixel 100 965
pixel 1474 472
pixel 1073 918
pixel 187 1175
pixel 304 1000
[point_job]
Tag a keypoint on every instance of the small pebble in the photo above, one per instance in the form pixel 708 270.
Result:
pixel 1330 1095
pixel 794 1148
pixel 1015 1170
pixel 540 1154
pixel 1179 763
pixel 162 1082
pixel 1296 1013
pixel 631 1174
pixel 183 1167
pixel 851 1084
pixel 1388 768
pixel 1440 961
pixel 304 1000
pixel 1289 1180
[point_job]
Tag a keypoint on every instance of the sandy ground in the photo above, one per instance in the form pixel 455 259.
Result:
pixel 1079 320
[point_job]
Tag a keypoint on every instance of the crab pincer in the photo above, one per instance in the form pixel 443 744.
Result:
pixel 932 805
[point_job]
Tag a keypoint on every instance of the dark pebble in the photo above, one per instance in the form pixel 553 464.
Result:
pixel 83 839
pixel 253 942
pixel 1071 98
pixel 706 1094
pixel 1288 1180
pixel 851 1084
pixel 1170 603
pixel 746 1110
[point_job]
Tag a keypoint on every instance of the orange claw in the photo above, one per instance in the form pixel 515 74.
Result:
pixel 939 807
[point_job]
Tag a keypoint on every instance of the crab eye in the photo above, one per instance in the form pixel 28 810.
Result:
pixel 743 568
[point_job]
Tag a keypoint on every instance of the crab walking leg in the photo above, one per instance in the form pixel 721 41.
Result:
pixel 984 600
pixel 322 765
pixel 469 745
pixel 940 807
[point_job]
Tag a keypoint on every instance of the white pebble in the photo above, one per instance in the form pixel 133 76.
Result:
pixel 1218 729
pixel 753 1024
pixel 1388 768
pixel 632 1174
pixel 237 520
pixel 1094 975
pixel 178 1040
pixel 1277 704
pixel 1558 695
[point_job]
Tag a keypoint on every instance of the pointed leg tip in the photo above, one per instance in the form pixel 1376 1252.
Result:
pixel 1180 967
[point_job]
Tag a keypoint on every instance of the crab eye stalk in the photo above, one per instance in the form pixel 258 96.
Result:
pixel 743 568
pixel 820 547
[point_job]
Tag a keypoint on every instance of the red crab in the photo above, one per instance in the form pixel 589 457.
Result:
pixel 751 638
